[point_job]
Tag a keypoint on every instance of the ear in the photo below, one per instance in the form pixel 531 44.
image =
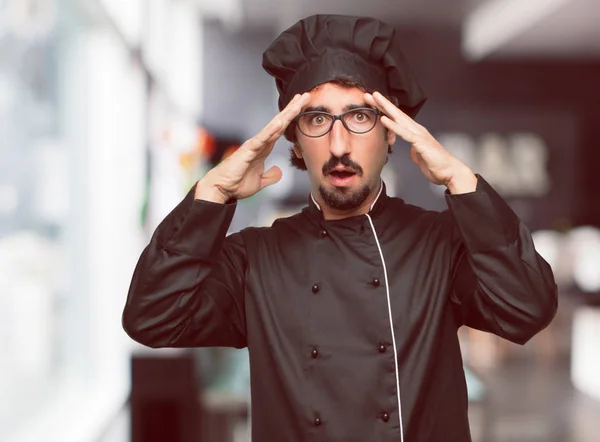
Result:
pixel 391 137
pixel 297 151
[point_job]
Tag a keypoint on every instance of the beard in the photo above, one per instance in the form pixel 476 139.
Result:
pixel 340 200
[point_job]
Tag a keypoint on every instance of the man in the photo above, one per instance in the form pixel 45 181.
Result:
pixel 349 309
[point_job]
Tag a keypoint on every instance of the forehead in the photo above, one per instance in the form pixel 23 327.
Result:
pixel 334 96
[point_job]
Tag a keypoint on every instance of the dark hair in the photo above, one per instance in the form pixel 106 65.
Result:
pixel 290 132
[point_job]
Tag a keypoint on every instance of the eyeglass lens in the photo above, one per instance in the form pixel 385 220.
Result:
pixel 314 124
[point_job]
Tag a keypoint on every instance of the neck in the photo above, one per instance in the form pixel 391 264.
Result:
pixel 335 214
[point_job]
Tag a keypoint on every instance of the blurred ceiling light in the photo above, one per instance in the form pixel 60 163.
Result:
pixel 497 22
pixel 555 248
pixel 31 19
pixel 547 245
pixel 229 12
pixel 586 264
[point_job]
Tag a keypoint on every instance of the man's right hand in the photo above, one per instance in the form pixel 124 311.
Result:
pixel 242 174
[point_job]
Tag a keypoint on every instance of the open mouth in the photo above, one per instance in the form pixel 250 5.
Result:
pixel 342 178
pixel 342 173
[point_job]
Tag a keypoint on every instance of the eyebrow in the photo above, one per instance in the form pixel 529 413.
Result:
pixel 346 108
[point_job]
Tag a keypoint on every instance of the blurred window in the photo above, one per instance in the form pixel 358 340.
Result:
pixel 43 322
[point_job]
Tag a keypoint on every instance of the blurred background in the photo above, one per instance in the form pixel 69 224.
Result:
pixel 110 110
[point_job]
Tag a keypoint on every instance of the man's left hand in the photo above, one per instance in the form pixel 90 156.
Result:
pixel 437 164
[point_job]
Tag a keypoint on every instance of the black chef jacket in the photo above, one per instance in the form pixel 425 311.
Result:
pixel 351 325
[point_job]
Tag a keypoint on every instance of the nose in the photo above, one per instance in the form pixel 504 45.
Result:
pixel 339 140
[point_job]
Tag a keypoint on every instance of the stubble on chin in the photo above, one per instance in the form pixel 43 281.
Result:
pixel 338 199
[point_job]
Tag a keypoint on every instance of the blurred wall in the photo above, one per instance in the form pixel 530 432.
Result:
pixel 562 95
pixel 238 95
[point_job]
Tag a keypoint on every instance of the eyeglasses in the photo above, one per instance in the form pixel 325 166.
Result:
pixel 315 124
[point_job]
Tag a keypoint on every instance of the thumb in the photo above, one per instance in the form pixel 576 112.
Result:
pixel 271 176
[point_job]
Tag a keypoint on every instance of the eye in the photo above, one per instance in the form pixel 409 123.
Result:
pixel 362 116
pixel 318 120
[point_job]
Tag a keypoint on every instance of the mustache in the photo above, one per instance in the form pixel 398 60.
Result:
pixel 345 161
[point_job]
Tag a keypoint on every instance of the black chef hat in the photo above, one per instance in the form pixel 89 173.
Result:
pixel 321 48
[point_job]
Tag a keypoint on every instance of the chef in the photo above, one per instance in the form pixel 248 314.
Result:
pixel 349 308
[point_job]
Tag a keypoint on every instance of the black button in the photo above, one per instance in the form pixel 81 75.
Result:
pixel 315 353
pixel 385 417
pixel 323 233
pixel 375 282
pixel 315 288
pixel 317 421
pixel 382 348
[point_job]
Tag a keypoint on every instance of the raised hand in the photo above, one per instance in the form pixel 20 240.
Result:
pixel 242 174
pixel 437 164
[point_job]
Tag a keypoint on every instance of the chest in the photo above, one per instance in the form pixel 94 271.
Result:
pixel 345 287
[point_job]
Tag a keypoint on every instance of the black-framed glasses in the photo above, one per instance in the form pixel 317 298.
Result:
pixel 315 124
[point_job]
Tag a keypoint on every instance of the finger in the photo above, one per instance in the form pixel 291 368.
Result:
pixel 270 177
pixel 278 125
pixel 386 120
pixel 399 129
pixel 371 101
pixel 392 111
pixel 274 126
pixel 293 109
pixel 267 135
pixel 395 119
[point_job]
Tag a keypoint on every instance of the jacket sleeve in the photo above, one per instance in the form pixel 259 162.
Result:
pixel 500 283
pixel 187 289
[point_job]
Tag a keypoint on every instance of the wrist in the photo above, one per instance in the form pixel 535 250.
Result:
pixel 463 181
pixel 207 191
